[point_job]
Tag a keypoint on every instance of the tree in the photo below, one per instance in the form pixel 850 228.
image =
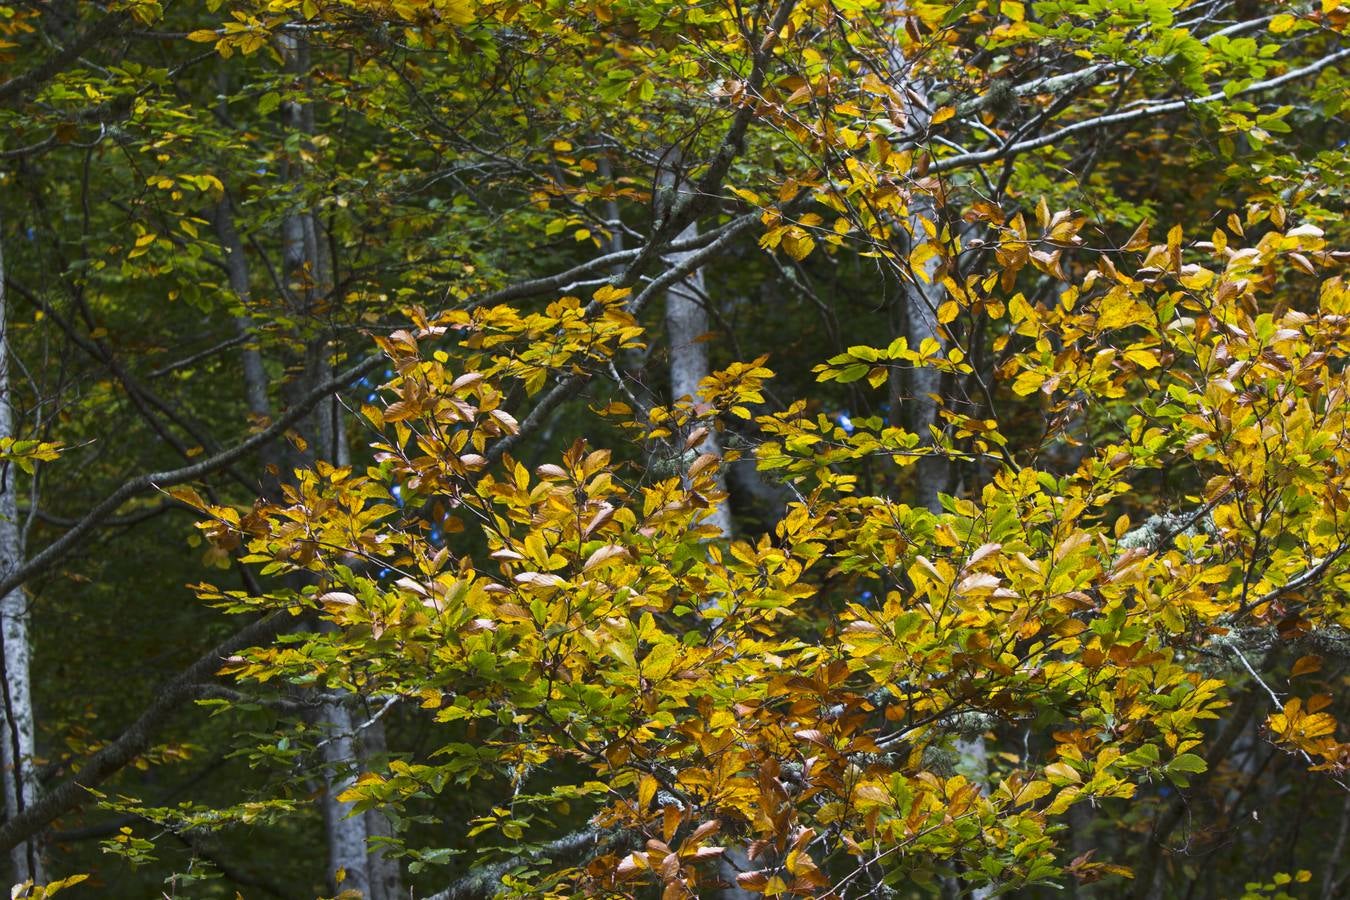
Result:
pixel 1051 490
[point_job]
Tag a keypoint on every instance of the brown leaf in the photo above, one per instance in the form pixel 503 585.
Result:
pixel 702 831
pixel 754 880
pixel 704 461
pixel 603 555
pixel 1306 664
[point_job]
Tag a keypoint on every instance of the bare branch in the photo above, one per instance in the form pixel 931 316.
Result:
pixel 965 160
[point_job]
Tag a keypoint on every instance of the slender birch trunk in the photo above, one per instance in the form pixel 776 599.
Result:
pixel 916 392
pixel 16 713
pixel 687 323
pixel 236 270
pixel 308 270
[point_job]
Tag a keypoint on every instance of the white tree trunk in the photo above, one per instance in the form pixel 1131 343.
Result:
pixel 914 392
pixel 385 873
pixel 236 269
pixel 347 862
pixel 915 399
pixel 16 712
pixel 307 271
pixel 686 324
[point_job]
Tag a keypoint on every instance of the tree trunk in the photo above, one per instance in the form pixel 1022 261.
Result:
pixel 236 269
pixel 346 833
pixel 308 271
pixel 916 394
pixel 385 875
pixel 16 716
pixel 686 326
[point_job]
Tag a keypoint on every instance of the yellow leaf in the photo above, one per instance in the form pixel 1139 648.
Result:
pixel 1304 665
pixel 1143 358
pixel 1138 240
pixel 1282 23
pixel 1119 310
pixel 1062 772
pixel 1027 383
pixel 943 115
pixel 605 554
pixel 798 243
pixel 459 12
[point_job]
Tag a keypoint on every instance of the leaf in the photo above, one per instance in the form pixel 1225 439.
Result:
pixel 606 554
pixel 337 599
pixel 983 552
pixel 1139 239
pixel 1282 23
pixel 1305 665
pixel 1187 762
pixel 539 579
pixel 703 462
pixel 978 584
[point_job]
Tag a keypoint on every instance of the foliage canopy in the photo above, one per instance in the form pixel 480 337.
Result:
pixel 999 541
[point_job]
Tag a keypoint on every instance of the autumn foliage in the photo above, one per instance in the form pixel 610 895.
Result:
pixel 1046 566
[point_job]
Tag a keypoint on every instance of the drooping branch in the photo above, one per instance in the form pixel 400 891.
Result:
pixel 59 548
pixel 137 737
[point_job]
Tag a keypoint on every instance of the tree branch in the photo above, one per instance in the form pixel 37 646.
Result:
pixel 43 73
pixel 569 386
pixel 57 549
pixel 979 157
pixel 136 739
pixel 482 882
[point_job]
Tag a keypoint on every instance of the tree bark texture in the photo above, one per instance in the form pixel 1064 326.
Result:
pixel 18 737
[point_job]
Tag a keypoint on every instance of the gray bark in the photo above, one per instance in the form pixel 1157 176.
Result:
pixel 308 270
pixel 346 832
pixel 686 323
pixel 385 875
pixel 916 392
pixel 16 713
pixel 236 268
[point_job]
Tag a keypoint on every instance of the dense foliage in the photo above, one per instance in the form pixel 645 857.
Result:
pixel 637 448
